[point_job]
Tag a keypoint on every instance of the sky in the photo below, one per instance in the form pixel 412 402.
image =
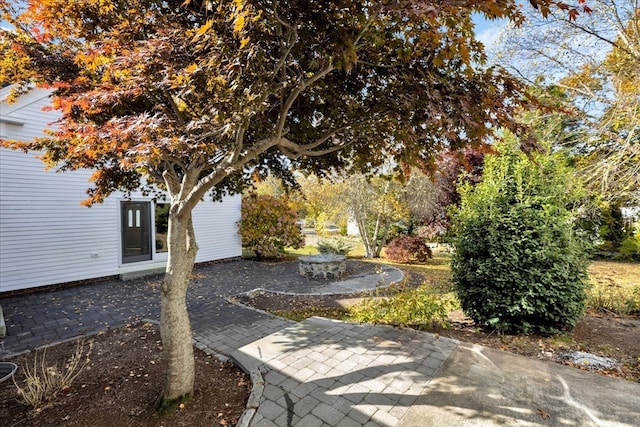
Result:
pixel 487 31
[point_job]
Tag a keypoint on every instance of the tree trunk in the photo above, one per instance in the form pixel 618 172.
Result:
pixel 175 326
pixel 364 236
pixel 375 243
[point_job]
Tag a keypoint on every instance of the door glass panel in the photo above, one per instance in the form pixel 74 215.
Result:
pixel 136 234
pixel 162 225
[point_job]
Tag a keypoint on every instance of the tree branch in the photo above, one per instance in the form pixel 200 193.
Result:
pixel 239 143
pixel 292 34
pixel 595 34
pixel 295 150
pixel 294 95
pixel 224 169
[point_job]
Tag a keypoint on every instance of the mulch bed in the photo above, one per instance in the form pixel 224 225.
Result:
pixel 121 383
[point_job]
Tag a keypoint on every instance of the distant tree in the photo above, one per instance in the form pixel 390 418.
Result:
pixel 453 169
pixel 322 200
pixel 422 197
pixel 592 62
pixel 269 186
pixel 375 204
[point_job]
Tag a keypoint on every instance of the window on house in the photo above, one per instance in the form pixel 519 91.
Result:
pixel 162 227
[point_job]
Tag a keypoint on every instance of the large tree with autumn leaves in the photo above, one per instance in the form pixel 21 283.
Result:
pixel 193 97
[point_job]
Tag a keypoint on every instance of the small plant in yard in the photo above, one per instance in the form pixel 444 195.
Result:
pixel 420 306
pixel 334 247
pixel 408 249
pixel 630 248
pixel 43 383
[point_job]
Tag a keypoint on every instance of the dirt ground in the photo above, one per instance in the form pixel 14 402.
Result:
pixel 602 335
pixel 120 384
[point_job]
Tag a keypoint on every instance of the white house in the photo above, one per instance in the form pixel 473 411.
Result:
pixel 47 237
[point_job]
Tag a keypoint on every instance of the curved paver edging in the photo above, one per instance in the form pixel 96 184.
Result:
pixel 255 373
pixel 338 287
pixel 395 273
pixel 356 366
pixel 257 388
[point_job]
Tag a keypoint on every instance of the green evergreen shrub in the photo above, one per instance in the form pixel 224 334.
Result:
pixel 630 248
pixel 519 266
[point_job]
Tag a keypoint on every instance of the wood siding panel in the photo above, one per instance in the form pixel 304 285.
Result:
pixel 47 237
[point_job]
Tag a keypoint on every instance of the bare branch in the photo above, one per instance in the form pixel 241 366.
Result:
pixel 586 91
pixel 171 180
pixel 597 35
pixel 364 29
pixel 294 150
pixel 239 143
pixel 174 107
pixel 280 20
pixel 371 64
pixel 224 169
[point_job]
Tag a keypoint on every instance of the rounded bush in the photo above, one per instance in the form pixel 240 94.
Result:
pixel 518 266
pixel 408 249
pixel 268 225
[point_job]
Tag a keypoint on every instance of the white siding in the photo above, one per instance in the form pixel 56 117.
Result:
pixel 216 230
pixel 47 237
pixel 25 120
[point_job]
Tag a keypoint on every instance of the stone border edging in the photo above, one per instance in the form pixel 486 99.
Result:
pixel 257 388
pixel 229 298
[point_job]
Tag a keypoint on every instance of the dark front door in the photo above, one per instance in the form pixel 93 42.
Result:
pixel 136 231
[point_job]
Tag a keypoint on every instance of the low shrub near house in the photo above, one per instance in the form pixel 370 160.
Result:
pixel 408 249
pixel 268 225
pixel 418 307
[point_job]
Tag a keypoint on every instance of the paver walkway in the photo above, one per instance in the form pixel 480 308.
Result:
pixel 43 318
pixel 328 373
pixel 324 372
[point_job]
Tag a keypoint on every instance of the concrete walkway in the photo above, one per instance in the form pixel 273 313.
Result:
pixel 323 372
pixel 328 373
